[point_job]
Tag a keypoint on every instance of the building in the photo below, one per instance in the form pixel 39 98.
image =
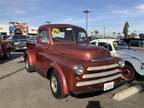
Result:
pixel 17 28
pixel 4 29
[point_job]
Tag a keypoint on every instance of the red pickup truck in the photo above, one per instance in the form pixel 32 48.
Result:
pixel 62 54
pixel 5 48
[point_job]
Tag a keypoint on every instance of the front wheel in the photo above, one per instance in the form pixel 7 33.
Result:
pixel 129 73
pixel 56 86
pixel 28 66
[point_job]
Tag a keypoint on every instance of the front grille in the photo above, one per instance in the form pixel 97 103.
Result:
pixel 100 74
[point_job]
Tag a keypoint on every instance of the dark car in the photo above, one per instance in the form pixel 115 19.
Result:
pixel 31 38
pixel 19 42
pixel 137 44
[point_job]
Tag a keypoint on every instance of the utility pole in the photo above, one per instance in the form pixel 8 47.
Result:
pixel 86 12
pixel 104 32
pixel 48 22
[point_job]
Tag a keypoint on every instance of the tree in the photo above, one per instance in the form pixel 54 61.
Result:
pixel 96 32
pixel 141 35
pixel 125 30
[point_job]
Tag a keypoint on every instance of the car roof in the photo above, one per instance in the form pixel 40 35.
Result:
pixel 59 25
pixel 105 40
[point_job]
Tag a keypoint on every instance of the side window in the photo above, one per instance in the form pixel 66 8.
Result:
pixel 141 43
pixel 94 43
pixel 105 45
pixel 43 36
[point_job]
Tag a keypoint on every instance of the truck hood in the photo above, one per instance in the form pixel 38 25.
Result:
pixel 81 51
pixel 131 53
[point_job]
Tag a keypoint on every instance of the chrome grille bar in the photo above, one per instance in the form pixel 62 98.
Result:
pixel 102 67
pixel 101 74
pixel 102 80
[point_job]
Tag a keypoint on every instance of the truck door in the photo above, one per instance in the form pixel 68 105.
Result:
pixel 42 48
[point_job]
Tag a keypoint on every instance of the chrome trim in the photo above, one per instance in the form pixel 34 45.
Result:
pixel 102 59
pixel 101 74
pixel 102 67
pixel 86 83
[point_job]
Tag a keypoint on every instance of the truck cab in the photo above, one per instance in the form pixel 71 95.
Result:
pixel 62 54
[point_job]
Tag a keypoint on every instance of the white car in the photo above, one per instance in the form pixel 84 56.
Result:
pixel 134 60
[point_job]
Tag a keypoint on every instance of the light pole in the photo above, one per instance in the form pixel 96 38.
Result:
pixel 86 12
pixel 48 22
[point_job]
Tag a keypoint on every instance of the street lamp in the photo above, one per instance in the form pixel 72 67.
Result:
pixel 48 22
pixel 86 12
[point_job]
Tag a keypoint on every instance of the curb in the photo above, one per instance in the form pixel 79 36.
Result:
pixel 127 93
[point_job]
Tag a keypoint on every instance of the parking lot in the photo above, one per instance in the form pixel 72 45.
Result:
pixel 19 89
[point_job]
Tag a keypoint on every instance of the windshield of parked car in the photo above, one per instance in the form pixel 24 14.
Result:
pixel 19 37
pixel 118 45
pixel 68 34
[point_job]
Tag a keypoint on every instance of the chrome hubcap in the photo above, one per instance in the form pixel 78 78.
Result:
pixel 54 84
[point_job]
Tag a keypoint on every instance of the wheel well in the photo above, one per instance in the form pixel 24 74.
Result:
pixel 49 72
pixel 128 63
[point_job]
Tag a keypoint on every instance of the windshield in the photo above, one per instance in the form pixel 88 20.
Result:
pixel 19 37
pixel 68 34
pixel 120 45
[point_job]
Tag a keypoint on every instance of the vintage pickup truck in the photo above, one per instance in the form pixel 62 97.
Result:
pixel 5 48
pixel 63 54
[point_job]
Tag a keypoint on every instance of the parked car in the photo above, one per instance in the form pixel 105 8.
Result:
pixel 137 44
pixel 62 54
pixel 5 48
pixel 134 60
pixel 19 42
pixel 31 38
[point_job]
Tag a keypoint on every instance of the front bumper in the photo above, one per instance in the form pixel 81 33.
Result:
pixel 97 87
pixel 97 78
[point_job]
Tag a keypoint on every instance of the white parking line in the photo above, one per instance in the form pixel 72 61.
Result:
pixel 127 93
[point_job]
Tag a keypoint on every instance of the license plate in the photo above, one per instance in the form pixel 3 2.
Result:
pixel 108 86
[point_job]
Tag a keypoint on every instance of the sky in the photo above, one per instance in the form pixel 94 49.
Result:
pixel 108 14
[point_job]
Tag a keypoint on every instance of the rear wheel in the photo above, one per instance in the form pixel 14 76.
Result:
pixel 28 66
pixel 56 86
pixel 129 73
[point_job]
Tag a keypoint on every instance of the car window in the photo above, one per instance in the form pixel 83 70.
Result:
pixel 142 44
pixel 105 45
pixel 134 43
pixel 43 36
pixel 118 45
pixel 62 34
pixel 94 43
pixel 19 37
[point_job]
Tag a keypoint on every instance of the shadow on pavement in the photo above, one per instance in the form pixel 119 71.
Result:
pixel 14 55
pixel 5 76
pixel 86 95
pixel 93 104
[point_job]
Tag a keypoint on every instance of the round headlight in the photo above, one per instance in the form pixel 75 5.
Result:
pixel 78 69
pixel 121 63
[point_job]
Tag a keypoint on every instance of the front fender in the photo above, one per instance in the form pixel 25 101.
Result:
pixel 31 56
pixel 62 76
pixel 136 63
